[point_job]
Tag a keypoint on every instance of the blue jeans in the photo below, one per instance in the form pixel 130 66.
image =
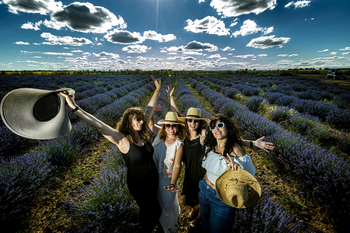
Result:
pixel 216 216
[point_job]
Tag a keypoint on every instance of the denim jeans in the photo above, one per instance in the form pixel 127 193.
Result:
pixel 216 216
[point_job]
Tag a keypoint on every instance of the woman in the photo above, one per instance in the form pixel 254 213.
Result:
pixel 133 142
pixel 194 139
pixel 223 151
pixel 168 151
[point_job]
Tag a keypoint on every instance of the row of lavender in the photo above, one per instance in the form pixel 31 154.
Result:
pixel 106 205
pixel 88 96
pixel 321 175
pixel 325 111
pixel 268 215
pixel 304 123
pixel 301 87
pixel 23 177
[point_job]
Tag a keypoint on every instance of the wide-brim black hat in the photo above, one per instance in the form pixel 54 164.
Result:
pixel 35 113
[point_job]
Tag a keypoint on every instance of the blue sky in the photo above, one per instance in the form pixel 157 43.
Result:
pixel 174 34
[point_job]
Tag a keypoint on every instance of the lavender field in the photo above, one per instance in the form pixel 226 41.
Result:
pixel 77 183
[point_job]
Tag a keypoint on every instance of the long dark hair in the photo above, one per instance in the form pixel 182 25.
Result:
pixel 198 130
pixel 233 136
pixel 124 125
pixel 179 133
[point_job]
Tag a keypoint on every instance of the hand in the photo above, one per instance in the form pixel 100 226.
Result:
pixel 157 108
pixel 170 91
pixel 69 100
pixel 266 146
pixel 171 188
pixel 232 165
pixel 157 82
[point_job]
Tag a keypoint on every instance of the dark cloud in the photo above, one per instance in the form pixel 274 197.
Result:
pixel 86 17
pixel 265 42
pixel 194 45
pixel 32 6
pixel 234 8
pixel 124 37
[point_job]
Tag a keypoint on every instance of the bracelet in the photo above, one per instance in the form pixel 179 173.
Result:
pixel 172 185
pixel 76 108
pixel 156 91
pixel 251 144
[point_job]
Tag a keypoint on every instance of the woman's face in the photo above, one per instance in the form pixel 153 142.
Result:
pixel 137 122
pixel 192 124
pixel 171 129
pixel 218 129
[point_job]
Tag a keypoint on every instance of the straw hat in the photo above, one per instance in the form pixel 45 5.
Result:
pixel 238 189
pixel 35 113
pixel 172 118
pixel 196 114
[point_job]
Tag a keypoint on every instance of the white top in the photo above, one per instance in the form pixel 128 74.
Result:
pixel 164 156
pixel 216 165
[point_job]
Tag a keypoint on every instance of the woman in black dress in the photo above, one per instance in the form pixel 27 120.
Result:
pixel 132 141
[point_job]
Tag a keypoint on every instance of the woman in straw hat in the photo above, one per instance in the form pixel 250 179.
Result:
pixel 132 140
pixel 168 151
pixel 195 132
pixel 223 151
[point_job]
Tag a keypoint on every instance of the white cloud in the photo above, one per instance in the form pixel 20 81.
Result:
pixel 333 53
pixel 58 54
pixel 228 48
pixel 346 53
pixel 136 49
pixel 245 56
pixel 209 24
pixel 345 49
pixel 106 55
pixel 194 45
pixel 66 40
pixel 234 8
pixel 287 55
pixel 250 27
pixel 124 37
pixel 298 4
pixel 265 42
pixel 152 35
pixel 322 51
pixel 30 25
pixel 21 43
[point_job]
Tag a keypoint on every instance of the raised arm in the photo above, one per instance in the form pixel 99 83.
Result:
pixel 152 103
pixel 266 146
pixel 110 133
pixel 152 125
pixel 170 92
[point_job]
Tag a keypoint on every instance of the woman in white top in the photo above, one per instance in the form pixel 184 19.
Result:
pixel 168 151
pixel 223 150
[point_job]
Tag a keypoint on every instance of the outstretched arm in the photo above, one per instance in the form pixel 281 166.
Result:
pixel 152 103
pixel 266 146
pixel 170 92
pixel 152 125
pixel 110 133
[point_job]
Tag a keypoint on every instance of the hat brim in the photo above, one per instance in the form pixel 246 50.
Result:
pixel 17 112
pixel 205 120
pixel 163 122
pixel 240 174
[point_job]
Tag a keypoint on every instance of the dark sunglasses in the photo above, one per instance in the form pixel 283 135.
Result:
pixel 219 125
pixel 190 120
pixel 138 118
pixel 170 126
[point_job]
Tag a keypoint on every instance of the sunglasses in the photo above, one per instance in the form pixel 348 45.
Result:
pixel 170 126
pixel 138 118
pixel 190 120
pixel 219 125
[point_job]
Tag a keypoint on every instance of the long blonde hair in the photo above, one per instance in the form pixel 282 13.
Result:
pixel 124 125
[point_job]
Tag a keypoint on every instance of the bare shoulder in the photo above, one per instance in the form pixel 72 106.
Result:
pixel 237 151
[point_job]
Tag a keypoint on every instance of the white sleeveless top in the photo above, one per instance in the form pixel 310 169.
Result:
pixel 164 156
pixel 216 165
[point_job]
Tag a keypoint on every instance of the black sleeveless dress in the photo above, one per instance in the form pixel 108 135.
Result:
pixel 142 181
pixel 194 171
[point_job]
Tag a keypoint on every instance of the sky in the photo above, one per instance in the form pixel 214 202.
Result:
pixel 174 34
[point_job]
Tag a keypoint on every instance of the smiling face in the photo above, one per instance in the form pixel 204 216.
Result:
pixel 137 122
pixel 171 129
pixel 192 124
pixel 219 133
